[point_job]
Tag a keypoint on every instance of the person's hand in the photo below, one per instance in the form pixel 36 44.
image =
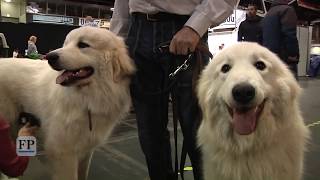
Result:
pixel 184 41
pixel 27 130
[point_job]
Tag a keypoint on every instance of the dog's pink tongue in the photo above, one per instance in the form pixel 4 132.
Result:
pixel 63 77
pixel 244 123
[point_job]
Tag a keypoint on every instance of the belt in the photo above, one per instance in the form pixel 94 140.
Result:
pixel 161 16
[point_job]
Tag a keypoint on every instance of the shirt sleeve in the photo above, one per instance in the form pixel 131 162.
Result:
pixel 10 164
pixel 120 18
pixel 210 13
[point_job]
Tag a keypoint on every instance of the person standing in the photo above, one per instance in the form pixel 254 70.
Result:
pixel 250 29
pixel 32 48
pixel 176 27
pixel 15 53
pixel 280 33
pixel 89 21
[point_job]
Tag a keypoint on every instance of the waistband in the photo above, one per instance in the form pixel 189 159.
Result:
pixel 161 16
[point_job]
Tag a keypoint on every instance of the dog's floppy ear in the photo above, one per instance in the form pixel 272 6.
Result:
pixel 295 88
pixel 291 85
pixel 122 64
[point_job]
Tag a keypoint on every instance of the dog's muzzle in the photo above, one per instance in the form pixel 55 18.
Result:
pixel 53 60
pixel 245 112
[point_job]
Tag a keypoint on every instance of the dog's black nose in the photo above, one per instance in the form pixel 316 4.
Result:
pixel 53 60
pixel 243 93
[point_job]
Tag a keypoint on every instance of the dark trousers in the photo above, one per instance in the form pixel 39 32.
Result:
pixel 294 69
pixel 151 105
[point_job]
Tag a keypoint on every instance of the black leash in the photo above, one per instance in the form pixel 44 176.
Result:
pixel 183 159
pixel 175 132
pixel 201 49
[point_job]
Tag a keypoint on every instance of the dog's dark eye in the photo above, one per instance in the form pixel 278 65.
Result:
pixel 225 68
pixel 260 65
pixel 83 45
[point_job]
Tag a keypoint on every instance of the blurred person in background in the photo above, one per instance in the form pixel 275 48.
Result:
pixel 250 29
pixel 15 53
pixel 89 21
pixel 32 51
pixel 279 28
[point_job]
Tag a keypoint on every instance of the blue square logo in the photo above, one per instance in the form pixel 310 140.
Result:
pixel 26 146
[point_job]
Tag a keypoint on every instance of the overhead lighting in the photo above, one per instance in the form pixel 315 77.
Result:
pixel 8 1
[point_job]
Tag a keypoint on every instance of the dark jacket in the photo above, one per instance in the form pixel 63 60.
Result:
pixel 250 30
pixel 280 31
pixel 10 163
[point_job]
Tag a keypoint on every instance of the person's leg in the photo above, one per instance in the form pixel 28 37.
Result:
pixel 151 110
pixel 154 137
pixel 294 69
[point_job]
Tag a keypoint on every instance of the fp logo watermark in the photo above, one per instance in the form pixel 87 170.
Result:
pixel 26 146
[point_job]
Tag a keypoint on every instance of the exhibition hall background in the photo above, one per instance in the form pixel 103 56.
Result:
pixel 50 36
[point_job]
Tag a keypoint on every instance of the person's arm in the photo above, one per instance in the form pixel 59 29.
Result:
pixel 289 30
pixel 210 13
pixel 240 33
pixel 10 164
pixel 120 18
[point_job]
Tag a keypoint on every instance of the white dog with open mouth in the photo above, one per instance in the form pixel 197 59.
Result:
pixel 252 127
pixel 79 98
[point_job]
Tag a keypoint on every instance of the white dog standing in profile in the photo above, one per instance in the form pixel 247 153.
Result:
pixel 78 99
pixel 252 128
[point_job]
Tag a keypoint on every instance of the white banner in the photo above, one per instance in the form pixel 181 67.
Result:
pixel 82 22
pixel 105 24
pixel 232 21
pixel 52 19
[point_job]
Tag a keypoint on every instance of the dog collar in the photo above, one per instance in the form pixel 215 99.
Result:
pixel 90 120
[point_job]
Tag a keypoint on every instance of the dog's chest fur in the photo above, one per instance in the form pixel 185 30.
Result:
pixel 261 166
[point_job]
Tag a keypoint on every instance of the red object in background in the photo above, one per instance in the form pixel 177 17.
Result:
pixel 10 163
pixel 310 4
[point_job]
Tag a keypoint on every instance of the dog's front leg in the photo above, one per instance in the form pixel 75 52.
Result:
pixel 84 165
pixel 65 167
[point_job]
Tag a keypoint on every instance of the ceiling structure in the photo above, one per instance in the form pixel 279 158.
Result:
pixel 305 13
pixel 98 2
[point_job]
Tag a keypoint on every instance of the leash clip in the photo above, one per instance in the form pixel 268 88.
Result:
pixel 184 66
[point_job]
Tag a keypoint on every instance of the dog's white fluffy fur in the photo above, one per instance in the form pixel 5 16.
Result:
pixel 275 150
pixel 30 86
